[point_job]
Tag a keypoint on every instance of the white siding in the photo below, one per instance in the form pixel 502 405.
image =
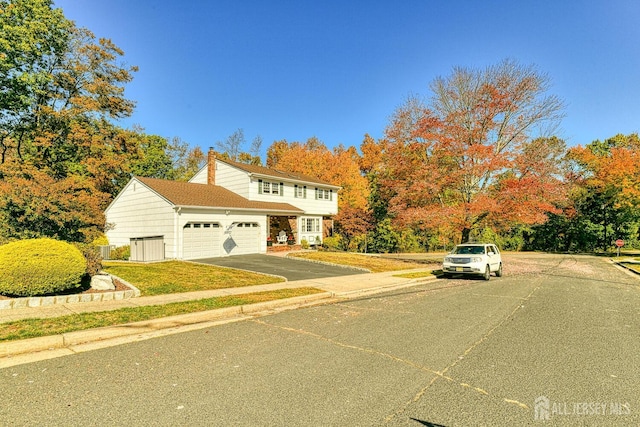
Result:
pixel 241 183
pixel 232 179
pixel 200 177
pixel 139 212
pixel 309 205
pixel 227 176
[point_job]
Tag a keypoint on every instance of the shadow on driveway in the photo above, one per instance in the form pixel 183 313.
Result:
pixel 290 268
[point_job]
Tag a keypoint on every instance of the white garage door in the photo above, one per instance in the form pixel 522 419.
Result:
pixel 243 238
pixel 201 240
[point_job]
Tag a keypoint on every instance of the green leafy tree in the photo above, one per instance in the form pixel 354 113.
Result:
pixel 33 40
pixel 59 90
pixel 605 177
pixel 186 161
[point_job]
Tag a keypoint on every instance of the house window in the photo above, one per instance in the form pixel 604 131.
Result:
pixel 268 187
pixel 300 192
pixel 322 194
pixel 311 225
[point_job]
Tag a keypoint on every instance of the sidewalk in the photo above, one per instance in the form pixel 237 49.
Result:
pixel 335 288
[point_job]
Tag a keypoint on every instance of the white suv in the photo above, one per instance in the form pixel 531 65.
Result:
pixel 473 258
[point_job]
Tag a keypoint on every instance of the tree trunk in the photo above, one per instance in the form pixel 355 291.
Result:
pixel 465 235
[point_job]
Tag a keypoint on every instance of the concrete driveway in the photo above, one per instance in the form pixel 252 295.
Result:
pixel 290 268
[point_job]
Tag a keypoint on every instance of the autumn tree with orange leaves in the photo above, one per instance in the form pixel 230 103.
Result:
pixel 340 166
pixel 606 192
pixel 474 155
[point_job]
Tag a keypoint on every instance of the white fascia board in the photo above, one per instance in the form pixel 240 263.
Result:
pixel 223 208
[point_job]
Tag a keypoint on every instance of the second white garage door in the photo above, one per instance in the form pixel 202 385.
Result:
pixel 243 238
pixel 201 240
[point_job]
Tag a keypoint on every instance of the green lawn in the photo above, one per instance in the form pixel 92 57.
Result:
pixel 632 266
pixel 417 275
pixel 372 263
pixel 179 276
pixel 32 328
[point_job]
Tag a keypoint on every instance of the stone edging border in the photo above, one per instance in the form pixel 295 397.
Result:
pixel 13 303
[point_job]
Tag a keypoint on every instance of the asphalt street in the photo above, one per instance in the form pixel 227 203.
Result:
pixel 553 342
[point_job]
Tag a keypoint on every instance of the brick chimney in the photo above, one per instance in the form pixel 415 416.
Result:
pixel 211 167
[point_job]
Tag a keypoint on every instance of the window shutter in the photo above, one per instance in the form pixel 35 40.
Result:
pixel 259 186
pixel 316 193
pixel 330 194
pixel 295 191
pixel 282 189
pixel 304 191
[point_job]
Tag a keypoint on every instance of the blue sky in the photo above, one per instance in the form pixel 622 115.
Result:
pixel 338 69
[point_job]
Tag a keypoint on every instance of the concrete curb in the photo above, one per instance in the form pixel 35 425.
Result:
pixel 71 339
pixel 630 270
pixel 385 288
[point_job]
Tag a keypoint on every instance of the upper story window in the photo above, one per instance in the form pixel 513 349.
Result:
pixel 270 187
pixel 322 194
pixel 300 191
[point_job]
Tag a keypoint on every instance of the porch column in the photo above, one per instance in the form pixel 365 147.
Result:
pixel 293 224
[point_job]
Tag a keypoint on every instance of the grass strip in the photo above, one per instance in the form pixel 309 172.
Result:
pixel 632 266
pixel 374 264
pixel 32 328
pixel 416 275
pixel 173 277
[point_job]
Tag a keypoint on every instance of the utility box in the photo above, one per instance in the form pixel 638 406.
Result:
pixel 105 251
pixel 147 248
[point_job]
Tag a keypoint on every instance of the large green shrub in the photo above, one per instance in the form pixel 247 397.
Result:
pixel 332 243
pixel 121 253
pixel 39 267
pixel 101 240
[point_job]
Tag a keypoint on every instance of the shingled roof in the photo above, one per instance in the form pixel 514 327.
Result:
pixel 261 170
pixel 212 196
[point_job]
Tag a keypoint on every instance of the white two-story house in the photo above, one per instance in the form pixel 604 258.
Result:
pixel 227 208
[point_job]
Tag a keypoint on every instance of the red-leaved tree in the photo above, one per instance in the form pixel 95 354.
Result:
pixel 471 157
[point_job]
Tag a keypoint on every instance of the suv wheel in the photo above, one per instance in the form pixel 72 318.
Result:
pixel 487 273
pixel 499 272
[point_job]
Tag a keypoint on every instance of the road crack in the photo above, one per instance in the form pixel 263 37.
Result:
pixel 443 373
pixel 437 374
